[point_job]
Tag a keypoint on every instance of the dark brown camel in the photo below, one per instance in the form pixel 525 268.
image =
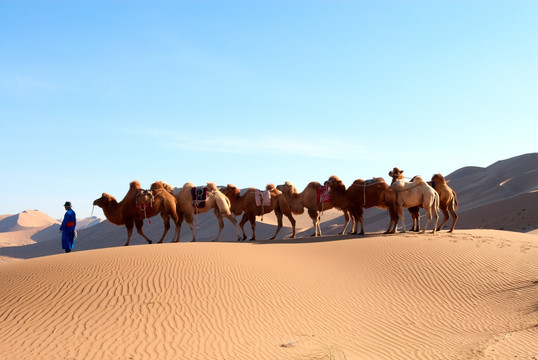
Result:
pixel 124 212
pixel 363 194
pixel 246 204
pixel 159 199
pixel 310 199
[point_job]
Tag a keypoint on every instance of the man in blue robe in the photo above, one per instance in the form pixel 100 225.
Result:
pixel 68 228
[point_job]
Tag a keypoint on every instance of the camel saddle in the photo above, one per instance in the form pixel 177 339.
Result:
pixel 263 198
pixel 199 196
pixel 323 194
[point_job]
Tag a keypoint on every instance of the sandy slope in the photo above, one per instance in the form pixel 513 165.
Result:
pixel 469 295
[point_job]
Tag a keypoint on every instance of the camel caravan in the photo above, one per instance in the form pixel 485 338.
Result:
pixel 186 203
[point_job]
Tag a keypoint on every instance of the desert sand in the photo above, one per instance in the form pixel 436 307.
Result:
pixel 472 294
pixel 467 295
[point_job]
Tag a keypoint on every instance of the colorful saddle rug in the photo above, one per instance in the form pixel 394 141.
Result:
pixel 263 198
pixel 323 194
pixel 199 196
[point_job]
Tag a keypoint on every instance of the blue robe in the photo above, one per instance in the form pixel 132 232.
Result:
pixel 68 229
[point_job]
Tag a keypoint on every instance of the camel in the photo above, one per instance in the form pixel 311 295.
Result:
pixel 415 193
pixel 159 199
pixel 309 198
pixel 448 201
pixel 397 174
pixel 363 194
pixel 188 207
pixel 246 204
pixel 124 212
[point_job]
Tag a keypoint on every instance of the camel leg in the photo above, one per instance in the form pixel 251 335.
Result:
pixel 428 218
pixel 220 221
pixel 178 230
pixel 454 216
pixel 314 215
pixel 139 224
pixel 178 227
pixel 234 223
pixel 129 225
pixel 278 214
pixel 393 222
pixel 166 221
pixel 346 221
pixel 252 220
pixel 189 219
pixel 244 219
pixel 445 219
pixel 354 222
pixel 435 218
pixel 293 222
pixel 415 215
pixel 401 217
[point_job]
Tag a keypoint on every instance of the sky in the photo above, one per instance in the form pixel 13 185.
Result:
pixel 96 94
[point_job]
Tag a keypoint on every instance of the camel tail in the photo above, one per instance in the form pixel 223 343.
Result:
pixel 455 199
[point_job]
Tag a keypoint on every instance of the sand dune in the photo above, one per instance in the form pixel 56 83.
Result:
pixel 467 295
pixel 462 296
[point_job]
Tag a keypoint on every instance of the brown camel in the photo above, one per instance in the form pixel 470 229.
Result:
pixel 246 204
pixel 363 194
pixel 415 193
pixel 397 174
pixel 159 199
pixel 124 212
pixel 448 201
pixel 190 206
pixel 310 199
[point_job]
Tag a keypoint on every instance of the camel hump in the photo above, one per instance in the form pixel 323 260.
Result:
pixel 270 187
pixel 417 179
pixel 188 184
pixel 439 177
pixel 168 187
pixel 135 184
pixel 230 186
pixel 211 186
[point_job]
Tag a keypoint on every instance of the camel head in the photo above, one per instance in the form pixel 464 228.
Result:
pixel 334 181
pixel 104 200
pixel 144 197
pixel 287 187
pixel 396 174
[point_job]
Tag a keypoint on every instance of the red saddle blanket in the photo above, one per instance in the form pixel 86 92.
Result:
pixel 323 194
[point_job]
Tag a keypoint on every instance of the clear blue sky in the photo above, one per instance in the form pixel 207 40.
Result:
pixel 95 94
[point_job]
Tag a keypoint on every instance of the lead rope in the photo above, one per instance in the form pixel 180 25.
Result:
pixel 91 216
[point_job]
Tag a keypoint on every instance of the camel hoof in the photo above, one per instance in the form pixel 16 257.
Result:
pixel 193 240
pixel 252 239
pixel 292 237
pixel 273 238
pixel 361 233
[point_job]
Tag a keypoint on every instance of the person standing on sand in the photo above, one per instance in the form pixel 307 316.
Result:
pixel 67 229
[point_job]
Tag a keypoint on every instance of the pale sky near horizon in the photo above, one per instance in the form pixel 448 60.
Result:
pixel 95 94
